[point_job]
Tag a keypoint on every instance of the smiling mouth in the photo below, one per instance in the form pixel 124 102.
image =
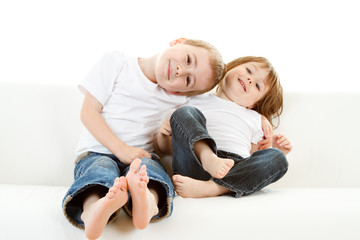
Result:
pixel 168 71
pixel 242 84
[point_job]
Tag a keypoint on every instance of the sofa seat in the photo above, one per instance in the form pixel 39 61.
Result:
pixel 34 212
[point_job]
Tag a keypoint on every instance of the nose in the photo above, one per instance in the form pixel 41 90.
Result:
pixel 178 71
pixel 182 71
pixel 249 80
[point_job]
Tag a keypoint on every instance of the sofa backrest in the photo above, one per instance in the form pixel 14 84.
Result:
pixel 40 127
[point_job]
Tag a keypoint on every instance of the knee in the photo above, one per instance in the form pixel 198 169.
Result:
pixel 104 163
pixel 279 158
pixel 187 112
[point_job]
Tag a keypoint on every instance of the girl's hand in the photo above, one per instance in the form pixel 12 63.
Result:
pixel 127 154
pixel 281 142
pixel 268 134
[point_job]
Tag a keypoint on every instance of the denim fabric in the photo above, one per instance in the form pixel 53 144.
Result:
pixel 248 175
pixel 98 169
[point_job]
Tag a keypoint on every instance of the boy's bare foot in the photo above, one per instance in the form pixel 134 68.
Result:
pixel 192 188
pixel 97 211
pixel 144 202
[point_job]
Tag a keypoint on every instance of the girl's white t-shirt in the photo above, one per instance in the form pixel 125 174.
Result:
pixel 133 106
pixel 232 126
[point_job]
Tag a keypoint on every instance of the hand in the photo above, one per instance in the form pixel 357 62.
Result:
pixel 127 154
pixel 268 134
pixel 165 127
pixel 281 142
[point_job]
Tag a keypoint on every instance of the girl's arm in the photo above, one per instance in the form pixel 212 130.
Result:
pixel 281 142
pixel 254 148
pixel 268 134
pixel 162 141
pixel 95 123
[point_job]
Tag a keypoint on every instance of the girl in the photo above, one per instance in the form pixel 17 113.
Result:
pixel 214 141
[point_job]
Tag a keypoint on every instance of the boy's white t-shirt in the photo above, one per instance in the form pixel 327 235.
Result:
pixel 132 105
pixel 232 126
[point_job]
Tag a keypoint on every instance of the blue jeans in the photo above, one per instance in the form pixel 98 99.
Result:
pixel 188 125
pixel 97 172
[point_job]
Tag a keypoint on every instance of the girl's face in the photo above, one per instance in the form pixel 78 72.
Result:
pixel 244 84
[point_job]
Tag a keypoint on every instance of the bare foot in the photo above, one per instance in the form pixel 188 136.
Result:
pixel 144 202
pixel 217 167
pixel 192 188
pixel 97 211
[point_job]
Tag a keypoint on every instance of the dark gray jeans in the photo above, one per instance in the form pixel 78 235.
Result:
pixel 188 125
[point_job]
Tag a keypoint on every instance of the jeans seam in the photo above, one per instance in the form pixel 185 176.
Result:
pixel 271 175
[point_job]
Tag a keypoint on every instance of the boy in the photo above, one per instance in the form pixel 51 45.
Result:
pixel 124 100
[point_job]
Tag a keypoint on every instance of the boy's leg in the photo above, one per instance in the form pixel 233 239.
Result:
pixel 158 190
pixel 97 209
pixel 255 172
pixel 144 200
pixel 193 149
pixel 94 175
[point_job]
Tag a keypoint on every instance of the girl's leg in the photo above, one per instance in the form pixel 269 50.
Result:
pixel 193 149
pixel 255 172
pixel 247 176
pixel 192 188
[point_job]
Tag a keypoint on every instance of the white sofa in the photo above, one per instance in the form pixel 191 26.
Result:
pixel 318 198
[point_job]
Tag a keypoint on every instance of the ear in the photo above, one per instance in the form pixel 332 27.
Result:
pixel 177 41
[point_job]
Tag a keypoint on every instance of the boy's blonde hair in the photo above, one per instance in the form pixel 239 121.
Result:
pixel 271 105
pixel 216 63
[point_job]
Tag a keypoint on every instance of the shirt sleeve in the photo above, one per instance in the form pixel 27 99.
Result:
pixel 99 82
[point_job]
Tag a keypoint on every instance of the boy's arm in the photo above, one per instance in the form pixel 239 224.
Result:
pixel 162 142
pixel 95 123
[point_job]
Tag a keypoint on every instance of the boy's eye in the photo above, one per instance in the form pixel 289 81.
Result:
pixel 258 86
pixel 248 70
pixel 188 80
pixel 188 59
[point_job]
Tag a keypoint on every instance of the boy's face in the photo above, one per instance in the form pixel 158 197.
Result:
pixel 245 84
pixel 183 68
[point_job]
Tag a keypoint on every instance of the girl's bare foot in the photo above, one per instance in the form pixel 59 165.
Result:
pixel 215 166
pixel 97 211
pixel 192 188
pixel 144 202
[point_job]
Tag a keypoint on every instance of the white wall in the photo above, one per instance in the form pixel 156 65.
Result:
pixel 314 45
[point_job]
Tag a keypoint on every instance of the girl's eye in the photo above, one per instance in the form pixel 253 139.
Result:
pixel 188 59
pixel 188 80
pixel 258 86
pixel 248 70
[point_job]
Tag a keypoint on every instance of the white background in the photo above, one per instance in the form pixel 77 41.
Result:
pixel 314 45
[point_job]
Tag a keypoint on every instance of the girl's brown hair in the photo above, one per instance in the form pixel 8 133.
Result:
pixel 271 105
